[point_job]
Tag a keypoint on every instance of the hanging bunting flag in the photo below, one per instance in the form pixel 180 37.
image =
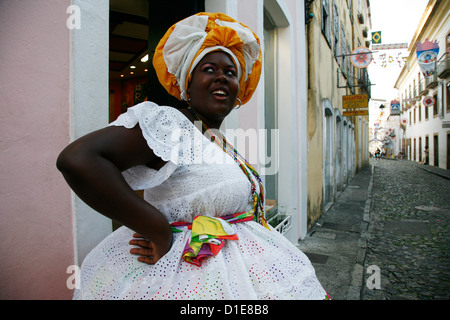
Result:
pixel 390 46
pixel 395 107
pixel 426 56
pixel 383 60
pixel 376 37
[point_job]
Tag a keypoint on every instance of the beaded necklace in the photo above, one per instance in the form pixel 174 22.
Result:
pixel 249 171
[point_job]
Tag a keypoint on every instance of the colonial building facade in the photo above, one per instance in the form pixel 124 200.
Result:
pixel 337 143
pixel 425 98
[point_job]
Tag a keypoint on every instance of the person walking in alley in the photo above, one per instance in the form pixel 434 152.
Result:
pixel 378 154
pixel 426 157
pixel 199 232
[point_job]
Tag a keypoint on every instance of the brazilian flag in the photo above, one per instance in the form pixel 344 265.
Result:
pixel 376 37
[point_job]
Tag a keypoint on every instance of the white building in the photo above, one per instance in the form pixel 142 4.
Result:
pixel 428 125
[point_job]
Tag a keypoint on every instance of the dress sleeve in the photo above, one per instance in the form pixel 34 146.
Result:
pixel 167 132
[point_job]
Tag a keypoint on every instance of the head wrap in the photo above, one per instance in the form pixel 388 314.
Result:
pixel 188 41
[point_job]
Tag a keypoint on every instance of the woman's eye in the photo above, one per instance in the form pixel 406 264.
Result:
pixel 231 73
pixel 208 69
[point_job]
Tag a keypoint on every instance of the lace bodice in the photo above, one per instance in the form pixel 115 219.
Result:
pixel 198 178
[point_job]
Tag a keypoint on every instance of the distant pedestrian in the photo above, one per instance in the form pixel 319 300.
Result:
pixel 425 159
pixel 377 154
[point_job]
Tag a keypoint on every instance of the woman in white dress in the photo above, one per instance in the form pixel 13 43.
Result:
pixel 199 232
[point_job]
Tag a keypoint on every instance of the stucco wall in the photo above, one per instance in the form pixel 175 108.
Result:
pixel 36 243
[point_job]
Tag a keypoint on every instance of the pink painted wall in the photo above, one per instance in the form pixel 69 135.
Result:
pixel 36 244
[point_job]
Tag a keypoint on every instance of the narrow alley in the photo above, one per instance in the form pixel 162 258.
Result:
pixel 386 237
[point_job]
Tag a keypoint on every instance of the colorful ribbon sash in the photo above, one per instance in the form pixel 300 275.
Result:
pixel 208 235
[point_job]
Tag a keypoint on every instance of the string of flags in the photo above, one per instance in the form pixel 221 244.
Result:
pixel 426 51
pixel 384 59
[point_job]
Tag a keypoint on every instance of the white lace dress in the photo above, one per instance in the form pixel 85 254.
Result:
pixel 198 178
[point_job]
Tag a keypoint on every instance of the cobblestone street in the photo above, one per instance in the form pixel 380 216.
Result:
pixel 408 234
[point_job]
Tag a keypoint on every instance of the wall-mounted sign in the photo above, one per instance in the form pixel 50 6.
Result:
pixel 355 101
pixel 428 101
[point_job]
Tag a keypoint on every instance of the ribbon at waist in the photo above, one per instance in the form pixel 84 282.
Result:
pixel 208 235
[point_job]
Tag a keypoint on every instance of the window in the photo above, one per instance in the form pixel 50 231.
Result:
pixel 436 105
pixel 270 100
pixel 447 96
pixel 420 112
pixel 343 50
pixel 326 21
pixel 337 49
pixel 448 44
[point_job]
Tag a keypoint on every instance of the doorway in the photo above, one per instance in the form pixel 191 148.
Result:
pixel 436 150
pixel 135 28
pixel 448 150
pixel 328 156
pixel 270 107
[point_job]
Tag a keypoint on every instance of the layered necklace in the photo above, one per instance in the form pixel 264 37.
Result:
pixel 249 171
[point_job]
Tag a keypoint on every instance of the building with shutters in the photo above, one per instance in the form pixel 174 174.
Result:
pixel 425 98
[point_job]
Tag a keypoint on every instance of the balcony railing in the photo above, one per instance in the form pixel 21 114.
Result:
pixel 431 81
pixel 443 66
pixel 422 87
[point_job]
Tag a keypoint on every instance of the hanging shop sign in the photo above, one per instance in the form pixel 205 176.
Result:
pixel 356 113
pixel 429 101
pixel 395 107
pixel 427 53
pixel 355 101
pixel 355 105
pixel 361 57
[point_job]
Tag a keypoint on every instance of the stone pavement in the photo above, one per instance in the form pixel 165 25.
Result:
pixel 409 237
pixel 336 243
pixel 387 235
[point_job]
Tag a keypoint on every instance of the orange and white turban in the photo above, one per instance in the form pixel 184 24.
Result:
pixel 188 41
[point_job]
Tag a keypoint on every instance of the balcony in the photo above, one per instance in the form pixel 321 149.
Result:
pixel 443 66
pixel 431 81
pixel 422 87
pixel 360 18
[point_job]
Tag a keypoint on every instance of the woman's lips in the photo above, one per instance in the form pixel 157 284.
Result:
pixel 219 94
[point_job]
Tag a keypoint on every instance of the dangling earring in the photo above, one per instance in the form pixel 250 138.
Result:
pixel 184 95
pixel 239 105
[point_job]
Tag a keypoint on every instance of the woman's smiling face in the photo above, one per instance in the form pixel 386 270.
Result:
pixel 214 87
